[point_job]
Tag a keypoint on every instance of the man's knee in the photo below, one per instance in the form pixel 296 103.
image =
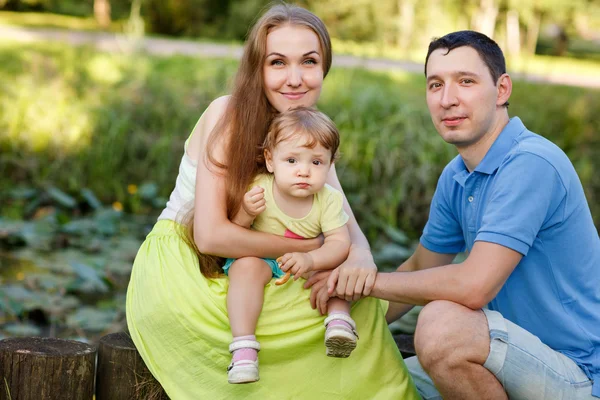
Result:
pixel 445 333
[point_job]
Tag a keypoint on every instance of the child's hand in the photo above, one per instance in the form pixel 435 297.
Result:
pixel 297 264
pixel 254 201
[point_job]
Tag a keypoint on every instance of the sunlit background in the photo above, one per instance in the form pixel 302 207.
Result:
pixel 97 98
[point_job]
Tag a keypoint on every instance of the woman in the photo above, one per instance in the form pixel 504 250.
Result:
pixel 177 314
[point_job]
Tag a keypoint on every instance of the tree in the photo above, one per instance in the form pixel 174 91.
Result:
pixel 102 13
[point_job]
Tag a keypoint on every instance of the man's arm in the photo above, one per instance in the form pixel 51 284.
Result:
pixel 472 283
pixel 421 259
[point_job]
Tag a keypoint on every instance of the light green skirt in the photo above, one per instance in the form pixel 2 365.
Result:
pixel 178 322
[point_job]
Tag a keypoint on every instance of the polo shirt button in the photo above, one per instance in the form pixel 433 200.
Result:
pixel 470 199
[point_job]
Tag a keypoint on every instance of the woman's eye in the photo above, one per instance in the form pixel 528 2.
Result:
pixel 276 62
pixel 310 61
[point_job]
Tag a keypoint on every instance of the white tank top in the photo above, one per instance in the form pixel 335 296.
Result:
pixel 182 197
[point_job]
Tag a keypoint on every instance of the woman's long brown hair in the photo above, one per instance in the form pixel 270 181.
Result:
pixel 246 119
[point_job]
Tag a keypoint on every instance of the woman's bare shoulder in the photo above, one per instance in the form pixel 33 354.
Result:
pixel 209 119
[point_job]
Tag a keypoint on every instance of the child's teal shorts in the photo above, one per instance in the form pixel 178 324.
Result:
pixel 277 272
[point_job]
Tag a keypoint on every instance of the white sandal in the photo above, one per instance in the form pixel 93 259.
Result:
pixel 339 339
pixel 243 371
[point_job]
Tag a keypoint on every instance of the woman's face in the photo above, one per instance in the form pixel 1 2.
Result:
pixel 293 68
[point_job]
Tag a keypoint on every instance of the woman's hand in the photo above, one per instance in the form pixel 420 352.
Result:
pixel 355 278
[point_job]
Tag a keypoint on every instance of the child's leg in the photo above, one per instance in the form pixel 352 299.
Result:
pixel 247 279
pixel 340 333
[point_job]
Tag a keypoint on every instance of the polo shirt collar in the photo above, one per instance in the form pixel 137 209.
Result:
pixel 495 154
pixel 501 147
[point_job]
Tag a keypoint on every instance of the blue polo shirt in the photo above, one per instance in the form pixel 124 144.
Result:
pixel 526 195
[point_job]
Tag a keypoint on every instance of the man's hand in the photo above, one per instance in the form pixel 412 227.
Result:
pixel 254 201
pixel 297 264
pixel 355 278
pixel 319 295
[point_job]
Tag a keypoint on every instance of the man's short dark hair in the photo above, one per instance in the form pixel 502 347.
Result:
pixel 488 50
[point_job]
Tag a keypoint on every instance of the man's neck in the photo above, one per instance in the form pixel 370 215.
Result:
pixel 474 153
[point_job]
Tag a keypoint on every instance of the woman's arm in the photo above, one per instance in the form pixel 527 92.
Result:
pixel 214 233
pixel 355 276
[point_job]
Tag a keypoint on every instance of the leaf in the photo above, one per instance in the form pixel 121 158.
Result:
pixel 61 197
pixel 22 330
pixel 91 279
pixel 392 253
pixel 148 191
pixel 91 319
pixel 91 198
pixel 22 193
pixel 396 235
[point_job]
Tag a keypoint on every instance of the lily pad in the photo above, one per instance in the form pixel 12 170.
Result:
pixel 91 319
pixel 61 197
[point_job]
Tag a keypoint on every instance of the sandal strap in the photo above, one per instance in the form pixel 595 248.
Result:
pixel 340 317
pixel 244 344
pixel 241 363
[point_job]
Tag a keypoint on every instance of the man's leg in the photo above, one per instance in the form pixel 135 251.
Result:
pixel 452 344
pixel 526 367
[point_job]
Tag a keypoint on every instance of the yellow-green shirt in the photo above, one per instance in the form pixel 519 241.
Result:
pixel 327 213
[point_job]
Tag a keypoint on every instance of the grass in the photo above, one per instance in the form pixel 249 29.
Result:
pixel 76 117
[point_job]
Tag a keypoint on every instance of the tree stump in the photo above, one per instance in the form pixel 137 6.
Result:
pixel 406 344
pixel 46 369
pixel 122 374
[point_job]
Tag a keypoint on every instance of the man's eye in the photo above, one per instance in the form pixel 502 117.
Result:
pixel 435 85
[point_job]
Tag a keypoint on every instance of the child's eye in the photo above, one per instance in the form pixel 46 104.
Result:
pixel 291 161
pixel 317 162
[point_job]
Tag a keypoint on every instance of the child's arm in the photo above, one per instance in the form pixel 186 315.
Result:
pixel 329 256
pixel 253 204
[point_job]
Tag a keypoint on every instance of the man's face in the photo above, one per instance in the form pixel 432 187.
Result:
pixel 461 95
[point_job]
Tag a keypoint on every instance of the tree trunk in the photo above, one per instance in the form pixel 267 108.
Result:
pixel 122 374
pixel 513 36
pixel 406 23
pixel 485 18
pixel 102 13
pixel 46 368
pixel 533 31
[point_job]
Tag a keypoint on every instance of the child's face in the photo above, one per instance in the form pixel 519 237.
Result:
pixel 299 170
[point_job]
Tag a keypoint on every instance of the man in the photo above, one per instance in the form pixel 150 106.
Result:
pixel 514 202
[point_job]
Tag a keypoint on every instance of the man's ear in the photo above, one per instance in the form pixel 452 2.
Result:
pixel 269 160
pixel 504 86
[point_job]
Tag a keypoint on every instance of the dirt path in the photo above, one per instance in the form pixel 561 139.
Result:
pixel 165 47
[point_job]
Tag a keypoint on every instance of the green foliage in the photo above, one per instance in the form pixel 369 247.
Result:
pixel 77 119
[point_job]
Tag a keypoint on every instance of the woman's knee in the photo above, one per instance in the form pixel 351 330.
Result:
pixel 250 268
pixel 445 329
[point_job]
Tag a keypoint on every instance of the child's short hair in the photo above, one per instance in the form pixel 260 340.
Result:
pixel 304 121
